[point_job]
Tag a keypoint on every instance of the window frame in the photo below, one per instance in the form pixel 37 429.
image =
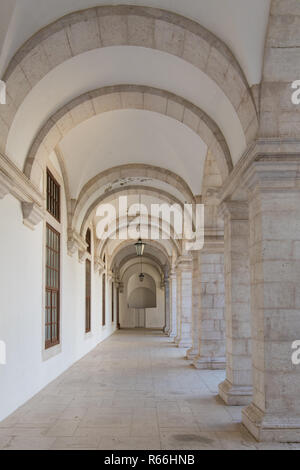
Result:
pixel 104 299
pixel 50 343
pixel 88 298
pixel 113 302
pixel 88 240
pixel 49 174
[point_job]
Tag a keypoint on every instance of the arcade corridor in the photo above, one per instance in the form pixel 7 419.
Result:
pixel 134 391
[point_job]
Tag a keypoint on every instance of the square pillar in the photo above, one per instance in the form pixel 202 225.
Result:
pixel 237 388
pixel 184 302
pixel 193 352
pixel 212 304
pixel 274 216
pixel 167 307
pixel 173 305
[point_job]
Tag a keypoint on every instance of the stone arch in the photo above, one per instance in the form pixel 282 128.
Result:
pixel 147 257
pixel 156 245
pixel 101 189
pixel 152 270
pixel 118 97
pixel 172 242
pixel 161 245
pixel 105 26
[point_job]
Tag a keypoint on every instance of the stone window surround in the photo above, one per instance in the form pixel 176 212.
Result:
pixel 53 351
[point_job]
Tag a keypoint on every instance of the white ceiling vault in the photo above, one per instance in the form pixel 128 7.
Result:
pixel 241 24
pixel 134 136
pixel 121 65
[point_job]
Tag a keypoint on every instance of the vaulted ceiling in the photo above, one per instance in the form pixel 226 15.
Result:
pixel 111 87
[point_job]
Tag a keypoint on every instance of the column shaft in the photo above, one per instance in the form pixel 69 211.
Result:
pixel 212 320
pixel 274 215
pixel 173 306
pixel 184 302
pixel 167 307
pixel 237 388
pixel 193 352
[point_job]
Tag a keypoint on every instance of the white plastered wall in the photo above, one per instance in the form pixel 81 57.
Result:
pixel 27 370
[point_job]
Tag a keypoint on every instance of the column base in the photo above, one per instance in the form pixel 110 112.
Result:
pixel 267 427
pixel 176 340
pixel 172 335
pixel 166 331
pixel 235 395
pixel 192 354
pixel 210 363
pixel 184 344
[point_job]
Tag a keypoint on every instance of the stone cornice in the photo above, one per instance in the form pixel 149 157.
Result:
pixel 6 185
pixel 235 210
pixel 184 263
pixel 14 182
pixel 17 183
pixel 269 151
pixel 213 245
pixel 279 173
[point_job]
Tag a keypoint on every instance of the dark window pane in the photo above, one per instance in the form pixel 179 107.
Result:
pixel 88 289
pixel 88 240
pixel 103 300
pixel 52 286
pixel 53 200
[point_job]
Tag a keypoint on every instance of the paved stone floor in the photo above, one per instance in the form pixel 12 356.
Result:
pixel 134 391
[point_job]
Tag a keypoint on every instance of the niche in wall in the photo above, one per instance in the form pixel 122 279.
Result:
pixel 141 298
pixel 141 295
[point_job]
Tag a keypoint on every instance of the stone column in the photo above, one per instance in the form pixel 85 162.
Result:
pixel 184 302
pixel 178 306
pixel 167 306
pixel 173 305
pixel 212 318
pixel 237 388
pixel 274 217
pixel 193 352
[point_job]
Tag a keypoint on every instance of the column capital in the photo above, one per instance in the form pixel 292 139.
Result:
pixel 99 266
pixel 235 210
pixel 184 263
pixel 214 245
pixel 76 244
pixel 269 150
pixel 269 173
